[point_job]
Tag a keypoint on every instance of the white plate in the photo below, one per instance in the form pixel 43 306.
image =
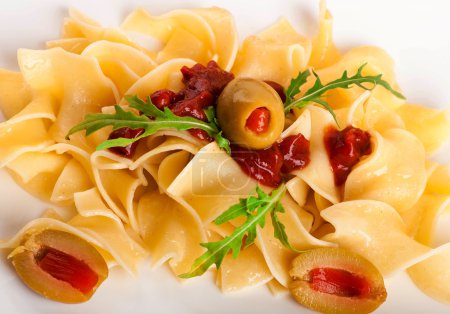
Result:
pixel 415 33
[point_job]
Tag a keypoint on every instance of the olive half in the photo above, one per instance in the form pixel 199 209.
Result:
pixel 335 280
pixel 60 266
pixel 250 113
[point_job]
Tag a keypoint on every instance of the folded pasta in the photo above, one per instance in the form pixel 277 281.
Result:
pixel 126 138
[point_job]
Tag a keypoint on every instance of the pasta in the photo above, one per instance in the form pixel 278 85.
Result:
pixel 167 191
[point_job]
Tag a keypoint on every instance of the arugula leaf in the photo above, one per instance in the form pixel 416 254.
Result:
pixel 314 94
pixel 165 119
pixel 221 141
pixel 254 208
pixel 149 109
pixel 294 86
pixel 279 229
pixel 237 210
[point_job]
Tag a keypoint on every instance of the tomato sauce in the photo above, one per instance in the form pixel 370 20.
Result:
pixel 201 135
pixel 203 86
pixel 267 166
pixel 67 268
pixel 163 98
pixel 338 282
pixel 263 165
pixel 295 150
pixel 345 148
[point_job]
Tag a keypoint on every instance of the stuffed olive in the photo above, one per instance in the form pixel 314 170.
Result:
pixel 250 113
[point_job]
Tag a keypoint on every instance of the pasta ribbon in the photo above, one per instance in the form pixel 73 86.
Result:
pixel 376 231
pixel 385 177
pixel 164 200
pixel 283 55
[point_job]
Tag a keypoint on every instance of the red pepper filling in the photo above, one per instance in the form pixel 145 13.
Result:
pixel 338 282
pixel 126 151
pixel 67 268
pixel 267 165
pixel 345 148
pixel 258 120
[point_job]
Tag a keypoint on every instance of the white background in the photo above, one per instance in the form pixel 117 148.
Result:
pixel 415 33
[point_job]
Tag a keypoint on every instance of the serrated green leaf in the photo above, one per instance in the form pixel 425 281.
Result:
pixel 280 230
pixel 256 216
pixel 118 142
pixel 295 85
pixel 261 194
pixel 148 109
pixel 326 106
pixel 233 212
pixel 251 236
pixel 122 118
pixel 210 113
pixel 252 203
pixel 315 93
pixel 159 120
pixel 222 142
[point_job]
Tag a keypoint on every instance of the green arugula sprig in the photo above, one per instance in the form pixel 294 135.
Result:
pixel 152 121
pixel 255 209
pixel 315 93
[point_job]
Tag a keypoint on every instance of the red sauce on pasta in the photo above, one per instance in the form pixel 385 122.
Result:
pixel 263 165
pixel 268 165
pixel 345 148
pixel 163 98
pixel 295 150
pixel 202 87
pixel 203 84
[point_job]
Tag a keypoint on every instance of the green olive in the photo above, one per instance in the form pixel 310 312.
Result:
pixel 239 101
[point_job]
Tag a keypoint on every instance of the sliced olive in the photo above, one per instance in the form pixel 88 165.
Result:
pixel 250 113
pixel 60 266
pixel 335 280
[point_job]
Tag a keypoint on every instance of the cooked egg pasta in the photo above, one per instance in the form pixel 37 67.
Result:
pixel 376 231
pixel 15 94
pixel 318 175
pixel 283 56
pixel 164 199
pixel 324 51
pixel 385 177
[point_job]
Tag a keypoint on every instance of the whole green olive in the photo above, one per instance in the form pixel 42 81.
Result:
pixel 250 113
